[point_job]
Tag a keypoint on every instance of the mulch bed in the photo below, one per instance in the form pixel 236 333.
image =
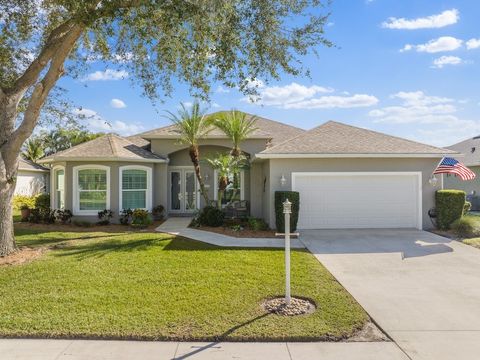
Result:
pixel 245 233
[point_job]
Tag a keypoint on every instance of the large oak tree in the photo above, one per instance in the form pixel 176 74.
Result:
pixel 198 42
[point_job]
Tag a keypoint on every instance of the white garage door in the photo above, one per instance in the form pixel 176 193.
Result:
pixel 358 200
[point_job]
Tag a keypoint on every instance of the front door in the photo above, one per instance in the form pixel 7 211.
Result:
pixel 183 191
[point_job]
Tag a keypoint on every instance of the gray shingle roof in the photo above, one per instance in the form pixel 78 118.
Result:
pixel 470 148
pixel 104 148
pixel 267 129
pixel 337 138
pixel 27 165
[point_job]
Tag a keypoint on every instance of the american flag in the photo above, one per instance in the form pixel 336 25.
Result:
pixel 452 166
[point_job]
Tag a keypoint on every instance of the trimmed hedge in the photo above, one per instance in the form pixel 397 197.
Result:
pixel 449 207
pixel 294 198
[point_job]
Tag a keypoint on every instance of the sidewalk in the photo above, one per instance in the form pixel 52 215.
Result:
pixel 179 226
pixel 122 350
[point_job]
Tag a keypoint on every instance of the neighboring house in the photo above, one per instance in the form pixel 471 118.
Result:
pixel 347 177
pixel 32 179
pixel 471 150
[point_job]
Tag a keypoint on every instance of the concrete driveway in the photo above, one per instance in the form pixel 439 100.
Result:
pixel 423 290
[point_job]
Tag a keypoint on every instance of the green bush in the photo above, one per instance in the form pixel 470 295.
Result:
pixel 467 207
pixel 211 216
pixel 63 215
pixel 449 205
pixel 104 217
pixel 257 224
pixel 20 201
pixel 466 227
pixel 42 201
pixel 126 216
pixel 294 198
pixel 141 218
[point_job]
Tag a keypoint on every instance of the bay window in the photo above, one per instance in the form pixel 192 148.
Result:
pixel 91 189
pixel 135 187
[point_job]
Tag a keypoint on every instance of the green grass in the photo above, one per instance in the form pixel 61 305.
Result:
pixel 17 216
pixel 156 286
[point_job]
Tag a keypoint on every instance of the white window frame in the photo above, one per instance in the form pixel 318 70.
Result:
pixel 53 185
pixel 242 185
pixel 76 192
pixel 148 192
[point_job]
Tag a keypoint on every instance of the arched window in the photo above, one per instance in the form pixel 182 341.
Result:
pixel 91 188
pixel 59 187
pixel 135 187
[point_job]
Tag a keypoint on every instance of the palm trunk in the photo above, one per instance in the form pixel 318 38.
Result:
pixel 195 157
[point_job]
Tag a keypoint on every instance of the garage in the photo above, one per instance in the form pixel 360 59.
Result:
pixel 359 200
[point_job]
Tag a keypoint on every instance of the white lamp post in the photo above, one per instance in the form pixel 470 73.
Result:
pixel 287 210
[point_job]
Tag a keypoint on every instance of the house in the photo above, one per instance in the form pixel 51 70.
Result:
pixel 471 150
pixel 347 177
pixel 32 178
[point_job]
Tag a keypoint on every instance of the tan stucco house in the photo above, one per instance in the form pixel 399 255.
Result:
pixel 347 177
pixel 470 148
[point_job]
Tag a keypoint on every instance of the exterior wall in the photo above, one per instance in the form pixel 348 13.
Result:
pixel 471 188
pixel 279 167
pixel 267 193
pixel 31 182
pixel 114 185
pixel 181 158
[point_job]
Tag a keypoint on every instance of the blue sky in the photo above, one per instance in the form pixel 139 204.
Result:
pixel 408 68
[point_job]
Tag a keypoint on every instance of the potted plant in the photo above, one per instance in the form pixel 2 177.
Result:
pixel 157 212
pixel 25 211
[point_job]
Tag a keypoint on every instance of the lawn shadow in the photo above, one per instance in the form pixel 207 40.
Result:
pixel 56 238
pixel 221 337
pixel 186 244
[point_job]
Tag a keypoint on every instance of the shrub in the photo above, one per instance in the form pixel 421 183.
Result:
pixel 126 216
pixel 64 216
pixel 237 228
pixel 157 212
pixel 467 207
pixel 42 215
pixel 450 206
pixel 42 201
pixel 20 201
pixel 294 198
pixel 211 216
pixel 104 217
pixel 466 227
pixel 257 224
pixel 141 218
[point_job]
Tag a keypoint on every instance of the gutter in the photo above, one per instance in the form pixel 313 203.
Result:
pixel 332 156
pixel 66 159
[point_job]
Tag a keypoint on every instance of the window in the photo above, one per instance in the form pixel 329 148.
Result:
pixel 59 187
pixel 234 190
pixel 92 189
pixel 135 188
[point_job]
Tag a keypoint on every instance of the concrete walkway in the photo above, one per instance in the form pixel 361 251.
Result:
pixel 179 226
pixel 422 289
pixel 11 349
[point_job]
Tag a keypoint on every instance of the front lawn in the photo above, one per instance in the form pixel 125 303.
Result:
pixel 155 286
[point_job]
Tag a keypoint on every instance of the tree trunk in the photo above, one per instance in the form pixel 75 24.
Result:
pixel 7 189
pixel 195 157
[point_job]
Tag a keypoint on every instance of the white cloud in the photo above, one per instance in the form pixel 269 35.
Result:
pixel 435 119
pixel 108 74
pixel 215 105
pixel 448 17
pixel 297 96
pixel 333 101
pixel 443 43
pixel 446 60
pixel 117 104
pixel 96 123
pixel 222 90
pixel 473 44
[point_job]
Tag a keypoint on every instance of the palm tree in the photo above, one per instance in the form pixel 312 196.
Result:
pixel 33 150
pixel 192 125
pixel 237 126
pixel 226 165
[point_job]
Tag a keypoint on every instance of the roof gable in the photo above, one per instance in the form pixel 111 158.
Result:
pixel 107 147
pixel 337 138
pixel 470 148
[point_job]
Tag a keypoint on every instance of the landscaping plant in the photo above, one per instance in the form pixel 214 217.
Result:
pixel 64 216
pixel 104 217
pixel 449 206
pixel 157 212
pixel 466 227
pixel 141 218
pixel 211 216
pixel 294 198
pixel 126 216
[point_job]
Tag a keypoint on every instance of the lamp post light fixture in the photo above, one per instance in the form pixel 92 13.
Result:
pixel 433 180
pixel 287 210
pixel 283 181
